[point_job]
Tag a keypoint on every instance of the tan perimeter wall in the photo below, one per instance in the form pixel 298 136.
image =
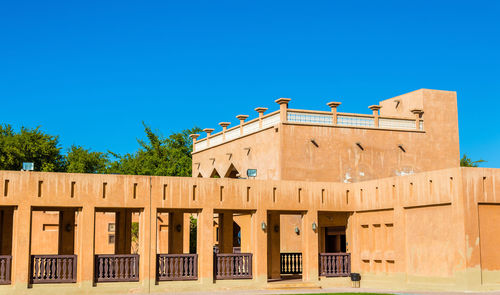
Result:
pixel 430 231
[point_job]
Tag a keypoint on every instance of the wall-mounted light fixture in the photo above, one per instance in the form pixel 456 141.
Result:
pixel 213 160
pixel 68 227
pixel 314 142
pixel 263 226
pixel 360 146
pixel 314 226
pixel 402 148
pixel 297 230
pixel 230 155
pixel 178 228
pixel 247 149
pixel 276 228
pixel 197 163
pixel 252 173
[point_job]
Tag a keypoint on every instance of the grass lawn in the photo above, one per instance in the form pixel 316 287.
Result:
pixel 349 294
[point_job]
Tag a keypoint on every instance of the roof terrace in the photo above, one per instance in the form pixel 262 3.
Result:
pixel 331 118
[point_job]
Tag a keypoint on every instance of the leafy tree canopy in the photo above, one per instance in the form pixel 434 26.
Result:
pixel 30 145
pixel 158 155
pixel 467 162
pixel 81 160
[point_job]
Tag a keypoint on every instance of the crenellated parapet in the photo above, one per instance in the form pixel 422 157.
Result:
pixel 331 118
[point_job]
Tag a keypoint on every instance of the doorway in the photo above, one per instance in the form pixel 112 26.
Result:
pixel 335 239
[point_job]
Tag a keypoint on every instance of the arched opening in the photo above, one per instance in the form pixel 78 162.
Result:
pixel 232 172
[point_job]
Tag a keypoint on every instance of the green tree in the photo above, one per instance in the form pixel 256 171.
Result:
pixel 193 224
pixel 158 155
pixel 134 231
pixel 467 162
pixel 81 160
pixel 29 145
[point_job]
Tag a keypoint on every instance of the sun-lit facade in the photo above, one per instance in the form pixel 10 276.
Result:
pixel 292 198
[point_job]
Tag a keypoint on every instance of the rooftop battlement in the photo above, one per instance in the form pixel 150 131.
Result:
pixel 308 117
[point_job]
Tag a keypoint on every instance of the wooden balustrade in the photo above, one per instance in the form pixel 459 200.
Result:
pixel 5 263
pixel 117 268
pixel 177 267
pixel 53 269
pixel 233 266
pixel 335 264
pixel 291 263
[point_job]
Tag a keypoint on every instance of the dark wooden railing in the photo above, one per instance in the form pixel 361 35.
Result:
pixel 233 266
pixel 291 263
pixel 117 268
pixel 335 264
pixel 177 267
pixel 5 263
pixel 53 269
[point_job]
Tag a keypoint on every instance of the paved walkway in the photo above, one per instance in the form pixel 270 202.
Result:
pixel 332 290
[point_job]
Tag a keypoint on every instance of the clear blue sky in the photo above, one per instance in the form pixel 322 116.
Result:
pixel 92 71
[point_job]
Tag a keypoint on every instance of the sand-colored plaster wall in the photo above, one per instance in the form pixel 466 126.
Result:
pixel 255 151
pixel 429 236
pixel 338 157
pixel 370 202
pixel 286 151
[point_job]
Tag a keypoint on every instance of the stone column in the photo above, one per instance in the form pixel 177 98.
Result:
pixel 310 249
pixel 259 246
pixel 147 245
pixel 242 119
pixel 175 232
pixel 21 246
pixel 283 102
pixel 205 245
pixel 209 132
pixel 194 137
pixel 86 247
pixel 226 232
pixel 261 111
pixel 224 128
pixel 375 109
pixel 273 246
pixel 333 105
pixel 418 114
pixel 186 232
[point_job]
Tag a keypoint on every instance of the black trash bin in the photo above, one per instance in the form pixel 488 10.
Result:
pixel 355 279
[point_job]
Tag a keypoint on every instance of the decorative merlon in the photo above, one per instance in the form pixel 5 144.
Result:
pixel 282 100
pixel 260 110
pixel 194 137
pixel 375 107
pixel 242 118
pixel 208 130
pixel 333 104
pixel 224 125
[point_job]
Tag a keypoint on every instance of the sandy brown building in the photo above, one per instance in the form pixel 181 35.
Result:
pixel 309 195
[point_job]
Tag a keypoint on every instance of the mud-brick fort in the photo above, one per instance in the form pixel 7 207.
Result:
pixel 291 197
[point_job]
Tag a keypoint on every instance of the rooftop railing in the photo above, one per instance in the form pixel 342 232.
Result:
pixel 307 117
